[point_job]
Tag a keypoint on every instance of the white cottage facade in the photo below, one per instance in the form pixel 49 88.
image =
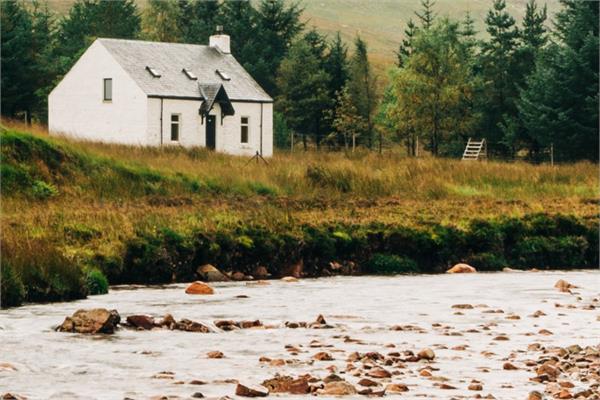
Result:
pixel 163 94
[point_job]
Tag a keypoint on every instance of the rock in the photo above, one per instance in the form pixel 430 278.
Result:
pixel 287 384
pixel 379 373
pixel 251 391
pixel 475 386
pixel 394 388
pixel 215 354
pixel 238 276
pixel 339 388
pixel 564 286
pixel 289 279
pixel 426 354
pixel 509 366
pixel 535 395
pixel 209 273
pixel 461 269
pixel 97 320
pixel 548 369
pixel 199 288
pixel 507 269
pixel 294 270
pixel 320 320
pixel 367 382
pixel 4 366
pixel 425 372
pixel 463 306
pixel 332 378
pixel 12 396
pixel 168 321
pixel 191 326
pixel 141 322
pixel 260 272
pixel 197 395
pixel 323 356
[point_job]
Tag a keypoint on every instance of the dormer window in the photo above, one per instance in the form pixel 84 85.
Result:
pixel 153 71
pixel 223 75
pixel 189 74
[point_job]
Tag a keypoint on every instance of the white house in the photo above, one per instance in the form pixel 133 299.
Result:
pixel 163 94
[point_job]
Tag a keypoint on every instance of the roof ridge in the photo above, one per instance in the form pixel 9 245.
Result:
pixel 151 41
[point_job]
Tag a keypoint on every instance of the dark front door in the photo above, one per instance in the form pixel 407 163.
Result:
pixel 211 127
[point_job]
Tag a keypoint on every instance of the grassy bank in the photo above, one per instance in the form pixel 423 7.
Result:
pixel 73 212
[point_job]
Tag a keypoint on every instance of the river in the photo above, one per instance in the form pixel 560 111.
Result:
pixel 48 364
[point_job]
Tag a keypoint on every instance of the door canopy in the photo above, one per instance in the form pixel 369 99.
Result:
pixel 215 93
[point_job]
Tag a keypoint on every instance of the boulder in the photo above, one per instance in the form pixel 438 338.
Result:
pixel 426 354
pixel 215 354
pixel 260 272
pixel 168 321
pixel 461 269
pixel 97 320
pixel 209 273
pixel 564 286
pixel 535 395
pixel 191 326
pixel 141 322
pixel 287 384
pixel 339 388
pixel 379 373
pixel 251 390
pixel 199 288
pixel 238 276
pixel 394 388
pixel 296 270
pixel 323 356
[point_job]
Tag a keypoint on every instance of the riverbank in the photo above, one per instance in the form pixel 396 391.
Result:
pixel 387 316
pixel 76 213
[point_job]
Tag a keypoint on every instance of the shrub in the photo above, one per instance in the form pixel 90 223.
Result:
pixel 42 190
pixel 96 282
pixel 321 176
pixel 386 264
pixel 552 252
pixel 487 261
pixel 12 290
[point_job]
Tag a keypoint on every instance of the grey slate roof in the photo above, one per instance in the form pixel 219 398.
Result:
pixel 169 59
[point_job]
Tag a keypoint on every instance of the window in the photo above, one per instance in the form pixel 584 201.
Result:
pixel 107 89
pixel 190 74
pixel 153 71
pixel 223 75
pixel 175 126
pixel 245 129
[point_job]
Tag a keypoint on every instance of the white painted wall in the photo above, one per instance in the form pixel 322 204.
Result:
pixel 193 129
pixel 76 107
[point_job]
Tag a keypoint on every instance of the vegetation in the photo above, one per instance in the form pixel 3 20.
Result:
pixel 147 215
pixel 524 87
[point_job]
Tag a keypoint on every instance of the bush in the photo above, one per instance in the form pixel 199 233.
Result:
pixel 487 261
pixel 42 190
pixel 387 264
pixel 552 252
pixel 12 290
pixel 96 282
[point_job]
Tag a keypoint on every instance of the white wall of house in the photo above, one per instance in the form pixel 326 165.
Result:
pixel 192 129
pixel 76 107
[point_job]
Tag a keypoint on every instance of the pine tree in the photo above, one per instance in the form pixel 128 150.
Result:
pixel 197 20
pixel 90 19
pixel 277 25
pixel 361 86
pixel 427 15
pixel 405 48
pixel 336 65
pixel 302 87
pixel 468 32
pixel 160 21
pixel 17 58
pixel 559 105
pixel 498 70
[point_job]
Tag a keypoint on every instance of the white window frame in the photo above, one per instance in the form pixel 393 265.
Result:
pixel 104 91
pixel 178 123
pixel 247 125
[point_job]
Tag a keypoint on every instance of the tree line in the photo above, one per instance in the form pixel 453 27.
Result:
pixel 523 86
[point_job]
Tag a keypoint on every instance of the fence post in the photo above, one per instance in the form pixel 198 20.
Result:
pixel 417 147
pixel 291 141
pixel 552 154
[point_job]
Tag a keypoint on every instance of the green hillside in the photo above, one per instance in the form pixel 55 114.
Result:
pixel 380 22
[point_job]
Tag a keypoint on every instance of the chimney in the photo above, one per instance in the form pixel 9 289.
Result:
pixel 220 40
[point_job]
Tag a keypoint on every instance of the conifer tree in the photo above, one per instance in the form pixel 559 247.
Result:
pixel 361 86
pixel 406 46
pixel 427 15
pixel 160 21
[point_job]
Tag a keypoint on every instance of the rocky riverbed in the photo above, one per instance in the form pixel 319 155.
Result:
pixel 510 335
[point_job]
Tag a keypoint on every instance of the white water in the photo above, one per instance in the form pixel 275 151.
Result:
pixel 63 366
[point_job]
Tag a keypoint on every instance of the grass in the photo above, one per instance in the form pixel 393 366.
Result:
pixel 109 207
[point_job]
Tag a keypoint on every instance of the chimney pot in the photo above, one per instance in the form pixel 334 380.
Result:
pixel 220 41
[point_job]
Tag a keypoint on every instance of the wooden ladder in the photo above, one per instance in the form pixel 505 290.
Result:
pixel 474 150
